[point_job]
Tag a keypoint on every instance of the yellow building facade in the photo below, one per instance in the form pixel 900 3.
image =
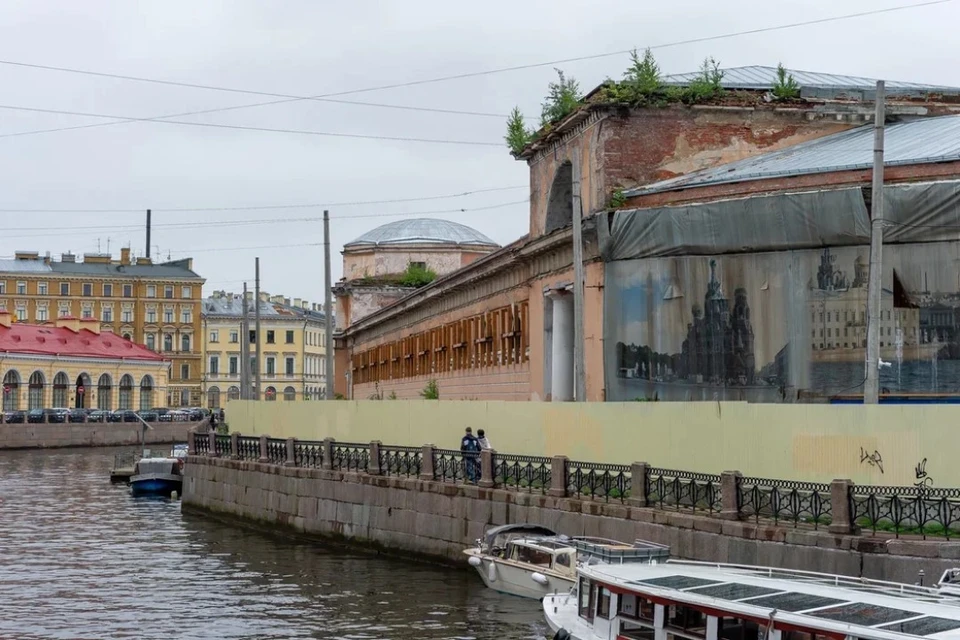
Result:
pixel 156 305
pixel 293 348
pixel 71 362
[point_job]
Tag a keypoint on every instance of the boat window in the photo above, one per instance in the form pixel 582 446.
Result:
pixel 531 556
pixel 586 599
pixel 803 635
pixel 733 628
pixel 632 606
pixel 563 560
pixel 690 621
pixel 603 603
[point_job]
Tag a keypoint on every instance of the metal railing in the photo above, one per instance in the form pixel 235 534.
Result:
pixel 453 465
pixel 401 461
pixel 276 450
pixel 684 489
pixel 916 510
pixel 308 453
pixel 530 473
pixel 784 500
pixel 599 481
pixel 350 456
pixel 223 445
pixel 201 444
pixel 248 448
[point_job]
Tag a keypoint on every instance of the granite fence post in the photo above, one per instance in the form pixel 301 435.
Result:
pixel 373 465
pixel 264 452
pixel 235 445
pixel 487 462
pixel 328 444
pixel 638 484
pixel 212 436
pixel 842 519
pixel 291 460
pixel 191 443
pixel 729 495
pixel 558 477
pixel 426 465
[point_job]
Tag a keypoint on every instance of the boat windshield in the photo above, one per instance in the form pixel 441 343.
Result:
pixel 530 555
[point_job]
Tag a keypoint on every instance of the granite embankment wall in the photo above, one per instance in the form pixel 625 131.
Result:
pixel 440 519
pixel 92 434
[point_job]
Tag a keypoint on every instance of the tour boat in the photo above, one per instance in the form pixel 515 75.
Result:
pixel 157 476
pixel 531 561
pixel 699 601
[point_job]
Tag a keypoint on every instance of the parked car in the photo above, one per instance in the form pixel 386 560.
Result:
pixel 35 416
pixel 195 414
pixel 163 414
pixel 123 415
pixel 148 415
pixel 57 415
pixel 97 415
pixel 14 417
pixel 78 415
pixel 179 415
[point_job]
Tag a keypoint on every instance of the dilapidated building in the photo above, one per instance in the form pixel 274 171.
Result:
pixel 692 282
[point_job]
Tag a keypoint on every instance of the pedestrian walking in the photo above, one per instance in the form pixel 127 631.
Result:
pixel 470 450
pixel 482 440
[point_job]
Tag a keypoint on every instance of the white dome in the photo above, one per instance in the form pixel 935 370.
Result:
pixel 422 231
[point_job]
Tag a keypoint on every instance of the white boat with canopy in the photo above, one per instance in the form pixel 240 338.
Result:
pixel 681 600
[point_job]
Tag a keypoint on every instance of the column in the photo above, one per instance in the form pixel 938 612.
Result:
pixel 561 387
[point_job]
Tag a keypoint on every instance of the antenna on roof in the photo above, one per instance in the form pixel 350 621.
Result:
pixel 98 245
pixel 108 244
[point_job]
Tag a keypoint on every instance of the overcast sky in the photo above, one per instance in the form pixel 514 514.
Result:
pixel 311 47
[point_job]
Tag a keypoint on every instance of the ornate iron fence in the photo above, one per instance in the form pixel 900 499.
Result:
pixel 796 502
pixel 401 461
pixel 532 473
pixel 351 456
pixel 248 448
pixel 201 444
pixel 308 453
pixel 276 450
pixel 683 489
pixel 452 465
pixel 599 481
pixel 223 446
pixel 910 510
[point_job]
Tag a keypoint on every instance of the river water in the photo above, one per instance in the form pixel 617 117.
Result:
pixel 80 558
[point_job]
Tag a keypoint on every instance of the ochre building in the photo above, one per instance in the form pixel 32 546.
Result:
pixel 72 362
pixel 154 305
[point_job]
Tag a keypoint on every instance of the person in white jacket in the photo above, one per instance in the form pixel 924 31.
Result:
pixel 482 438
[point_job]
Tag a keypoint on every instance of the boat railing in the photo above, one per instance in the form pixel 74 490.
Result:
pixel 615 552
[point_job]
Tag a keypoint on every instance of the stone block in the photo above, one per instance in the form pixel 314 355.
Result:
pixel 799 537
pixel 744 530
pixel 950 550
pixel 828 541
pixel 771 533
pixel 615 510
pixel 710 525
pixel 679 520
pixel 643 515
pixel 868 544
pixel 914 548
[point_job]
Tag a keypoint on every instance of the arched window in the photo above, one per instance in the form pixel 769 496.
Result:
pixel 560 205
pixel 126 392
pixel 289 394
pixel 233 393
pixel 271 394
pixel 127 336
pixel 213 398
pixel 105 393
pixel 35 391
pixel 82 391
pixel 61 384
pixel 184 343
pixel 146 393
pixel 167 342
pixel 11 391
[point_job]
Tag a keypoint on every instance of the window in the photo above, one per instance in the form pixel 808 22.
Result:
pixel 21 288
pixel 151 291
pixel 186 316
pixel 271 337
pixel 41 288
pixel 186 292
pixel 184 372
pixel 107 314
pixel 127 336
pixel 168 292
pixel 64 310
pixel 289 337
pixel 586 599
pixel 214 365
pixel 234 337
pixel 151 315
pixel 603 604
pixel 64 288
pixel 271 366
pixel 3 287
pixel 184 343
pixel 271 394
pixel 234 364
pixel 628 606
pixel 151 340
pixel 126 315
pixel 87 289
pixel 167 342
pixel 289 394
pixel 168 314
pixel 214 336
pixel 128 291
pixel 107 290
pixel 288 366
pixel 87 311
pixel 21 313
pixel 253 364
pixel 418 265
pixel 41 314
pixel 253 336
pixel 687 619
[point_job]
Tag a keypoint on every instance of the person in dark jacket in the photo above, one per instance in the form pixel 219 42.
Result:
pixel 470 449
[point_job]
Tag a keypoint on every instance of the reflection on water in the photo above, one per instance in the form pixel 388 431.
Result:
pixel 80 558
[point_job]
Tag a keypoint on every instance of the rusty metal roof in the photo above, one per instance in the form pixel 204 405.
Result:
pixel 920 141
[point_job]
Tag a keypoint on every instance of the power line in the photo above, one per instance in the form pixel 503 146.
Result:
pixel 250 128
pixel 460 76
pixel 312 205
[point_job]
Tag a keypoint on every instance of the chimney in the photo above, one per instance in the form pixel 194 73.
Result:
pixel 27 255
pixel 286 301
pixel 6 318
pixel 143 261
pixel 90 324
pixel 96 258
pixel 68 257
pixel 125 255
pixel 46 258
pixel 305 305
pixel 71 323
pixel 297 302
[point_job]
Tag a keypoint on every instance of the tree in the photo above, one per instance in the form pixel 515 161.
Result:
pixel 518 136
pixel 643 75
pixel 786 87
pixel 563 97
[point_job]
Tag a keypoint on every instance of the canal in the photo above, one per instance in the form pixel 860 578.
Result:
pixel 80 558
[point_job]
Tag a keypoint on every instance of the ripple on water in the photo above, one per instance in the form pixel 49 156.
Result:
pixel 80 558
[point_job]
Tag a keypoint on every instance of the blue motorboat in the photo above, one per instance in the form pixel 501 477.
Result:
pixel 157 477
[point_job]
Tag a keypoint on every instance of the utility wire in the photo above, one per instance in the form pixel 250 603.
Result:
pixel 314 205
pixel 251 128
pixel 327 96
